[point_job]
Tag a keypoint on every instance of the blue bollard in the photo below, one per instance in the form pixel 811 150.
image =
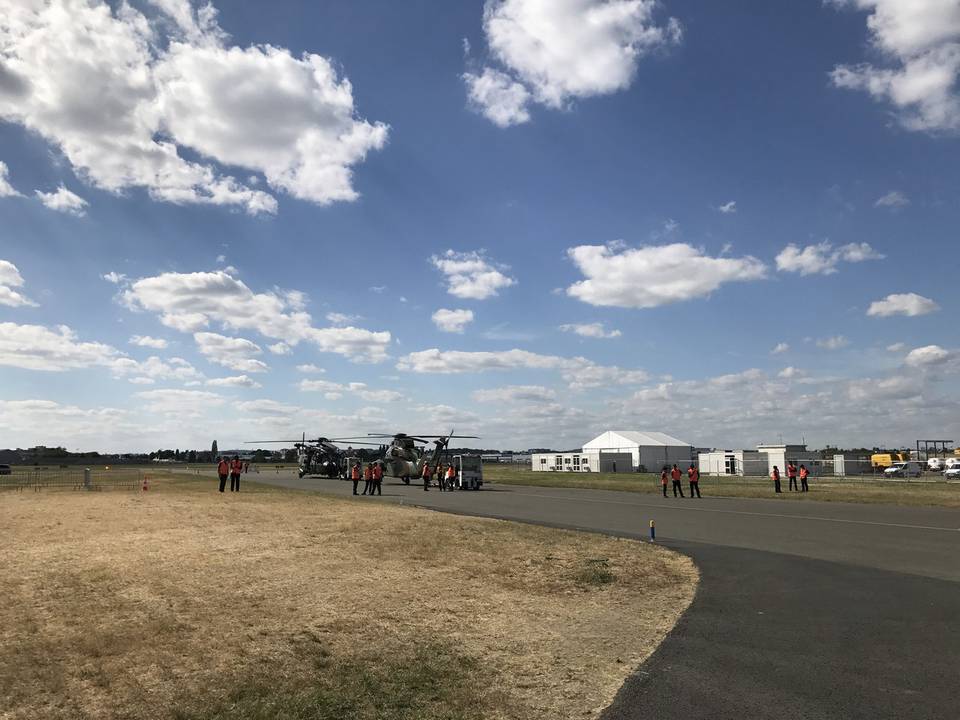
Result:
pixel 653 532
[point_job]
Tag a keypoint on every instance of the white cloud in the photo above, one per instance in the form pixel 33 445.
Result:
pixel 927 356
pixel 6 189
pixel 62 200
pixel 497 96
pixel 189 403
pixel 470 275
pixel 578 372
pixel 790 373
pixel 822 258
pixel 554 51
pixel 114 277
pixel 155 91
pixel 515 393
pixel 239 381
pixel 190 301
pixel 452 321
pixel 728 208
pixel 9 279
pixel 231 352
pixel 919 40
pixel 147 341
pixel 833 343
pixel 893 199
pixel 155 368
pixel 909 304
pixel 36 347
pixel 336 318
pixel 590 330
pixel 334 391
pixel 655 275
pixel 310 368
pixel 280 348
pixel 780 348
pixel 897 347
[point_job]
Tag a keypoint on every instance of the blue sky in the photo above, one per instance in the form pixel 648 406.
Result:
pixel 534 221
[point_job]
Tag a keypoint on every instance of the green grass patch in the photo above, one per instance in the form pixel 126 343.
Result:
pixel 595 572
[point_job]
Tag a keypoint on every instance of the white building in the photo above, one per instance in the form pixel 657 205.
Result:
pixel 757 462
pixel 619 451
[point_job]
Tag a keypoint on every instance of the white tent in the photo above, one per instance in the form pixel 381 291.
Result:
pixel 650 450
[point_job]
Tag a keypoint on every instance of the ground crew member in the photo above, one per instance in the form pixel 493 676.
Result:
pixel 426 476
pixel 223 469
pixel 236 467
pixel 803 478
pixel 377 479
pixel 355 475
pixel 451 476
pixel 792 476
pixel 694 474
pixel 663 480
pixel 776 478
pixel 367 480
pixel 677 487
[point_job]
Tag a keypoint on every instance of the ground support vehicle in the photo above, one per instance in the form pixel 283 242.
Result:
pixel 903 469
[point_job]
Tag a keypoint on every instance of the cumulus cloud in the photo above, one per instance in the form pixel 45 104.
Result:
pixel 6 189
pixel 893 199
pixel 231 352
pixel 470 275
pixel 36 347
pixel 334 391
pixel 147 341
pixel 452 321
pixel 927 356
pixel 578 372
pixel 919 44
pixel 590 330
pixel 833 343
pixel 114 277
pixel 515 393
pixel 155 368
pixel 10 278
pixel 280 348
pixel 728 208
pixel 167 104
pixel 896 347
pixel 310 368
pixel 823 258
pixel 189 403
pixel 909 304
pixel 237 381
pixel 189 302
pixel 65 201
pixel 780 348
pixel 555 51
pixel 655 275
pixel 336 318
pixel 790 373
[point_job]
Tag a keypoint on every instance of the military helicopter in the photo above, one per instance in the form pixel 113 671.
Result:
pixel 403 459
pixel 320 456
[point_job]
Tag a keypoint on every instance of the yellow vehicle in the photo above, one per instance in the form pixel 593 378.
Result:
pixel 885 460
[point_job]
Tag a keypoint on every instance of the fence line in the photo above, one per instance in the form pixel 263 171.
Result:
pixel 47 478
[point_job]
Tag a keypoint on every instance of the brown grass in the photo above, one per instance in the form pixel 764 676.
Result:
pixel 864 490
pixel 185 603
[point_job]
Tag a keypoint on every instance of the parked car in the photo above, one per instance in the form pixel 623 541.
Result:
pixel 904 469
pixel 5 470
pixel 953 473
pixel 951 462
pixel 936 464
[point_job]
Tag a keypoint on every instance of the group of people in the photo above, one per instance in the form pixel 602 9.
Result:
pixel 372 475
pixel 693 476
pixel 234 468
pixel 446 478
pixel 792 473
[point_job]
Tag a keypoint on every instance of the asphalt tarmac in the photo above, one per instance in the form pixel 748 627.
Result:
pixel 805 609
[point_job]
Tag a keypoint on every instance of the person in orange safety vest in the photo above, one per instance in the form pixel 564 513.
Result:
pixel 367 480
pixel 223 469
pixel 804 473
pixel 377 479
pixel 663 480
pixel 355 475
pixel 694 475
pixel 775 474
pixel 677 487
pixel 236 467
pixel 426 475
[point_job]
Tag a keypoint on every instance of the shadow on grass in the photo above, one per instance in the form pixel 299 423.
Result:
pixel 431 681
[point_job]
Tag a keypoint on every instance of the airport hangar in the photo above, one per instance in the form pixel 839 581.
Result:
pixel 619 451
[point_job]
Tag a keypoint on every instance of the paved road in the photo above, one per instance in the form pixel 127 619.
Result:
pixel 805 609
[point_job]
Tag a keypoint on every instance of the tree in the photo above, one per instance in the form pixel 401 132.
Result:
pixel 213 450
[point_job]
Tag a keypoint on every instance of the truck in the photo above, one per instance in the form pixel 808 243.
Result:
pixel 885 460
pixel 469 472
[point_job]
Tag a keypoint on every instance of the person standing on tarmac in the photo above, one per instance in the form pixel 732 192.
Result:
pixel 367 479
pixel 776 479
pixel 425 474
pixel 694 475
pixel 355 475
pixel 451 476
pixel 377 479
pixel 663 480
pixel 223 469
pixel 803 478
pixel 677 487
pixel 236 467
pixel 792 476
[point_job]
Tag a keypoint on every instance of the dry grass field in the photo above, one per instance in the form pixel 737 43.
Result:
pixel 868 490
pixel 186 604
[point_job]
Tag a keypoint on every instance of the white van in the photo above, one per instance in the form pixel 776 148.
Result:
pixel 936 464
pixel 904 469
